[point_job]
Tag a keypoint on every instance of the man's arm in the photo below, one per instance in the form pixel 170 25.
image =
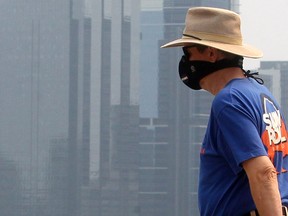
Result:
pixel 263 185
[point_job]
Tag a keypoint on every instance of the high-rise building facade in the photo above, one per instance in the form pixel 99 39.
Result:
pixel 70 108
pixel 118 80
pixel 43 80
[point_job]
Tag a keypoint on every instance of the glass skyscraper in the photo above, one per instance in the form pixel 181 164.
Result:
pixel 118 79
pixel 43 141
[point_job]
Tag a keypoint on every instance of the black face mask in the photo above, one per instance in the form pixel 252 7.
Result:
pixel 191 72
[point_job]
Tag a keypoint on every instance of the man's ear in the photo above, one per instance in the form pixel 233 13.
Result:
pixel 213 54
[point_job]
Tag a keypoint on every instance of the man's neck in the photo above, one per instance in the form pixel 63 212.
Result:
pixel 216 81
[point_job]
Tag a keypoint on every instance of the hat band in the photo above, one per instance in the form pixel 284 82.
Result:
pixel 215 38
pixel 192 36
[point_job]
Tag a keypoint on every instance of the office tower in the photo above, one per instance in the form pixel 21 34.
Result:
pixel 118 86
pixel 151 33
pixel 43 80
pixel 153 152
pixel 170 142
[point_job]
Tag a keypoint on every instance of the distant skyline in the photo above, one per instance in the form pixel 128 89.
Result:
pixel 264 27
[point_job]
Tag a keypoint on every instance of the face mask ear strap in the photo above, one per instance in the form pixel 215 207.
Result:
pixel 253 75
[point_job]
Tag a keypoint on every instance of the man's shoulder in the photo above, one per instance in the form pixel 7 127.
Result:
pixel 238 93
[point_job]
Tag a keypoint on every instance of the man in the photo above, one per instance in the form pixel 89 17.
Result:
pixel 243 160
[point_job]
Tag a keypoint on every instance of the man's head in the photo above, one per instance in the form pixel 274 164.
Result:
pixel 211 41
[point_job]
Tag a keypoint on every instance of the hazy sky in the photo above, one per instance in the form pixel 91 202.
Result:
pixel 265 26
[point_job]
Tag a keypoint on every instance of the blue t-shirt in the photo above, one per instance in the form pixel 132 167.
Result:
pixel 245 122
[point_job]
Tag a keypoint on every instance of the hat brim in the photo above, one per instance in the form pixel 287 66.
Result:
pixel 244 50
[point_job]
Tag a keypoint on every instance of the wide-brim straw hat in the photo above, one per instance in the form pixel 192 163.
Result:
pixel 215 27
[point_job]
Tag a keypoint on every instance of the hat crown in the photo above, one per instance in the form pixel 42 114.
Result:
pixel 217 28
pixel 213 24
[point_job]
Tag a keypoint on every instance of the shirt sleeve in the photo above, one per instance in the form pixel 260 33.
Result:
pixel 238 136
